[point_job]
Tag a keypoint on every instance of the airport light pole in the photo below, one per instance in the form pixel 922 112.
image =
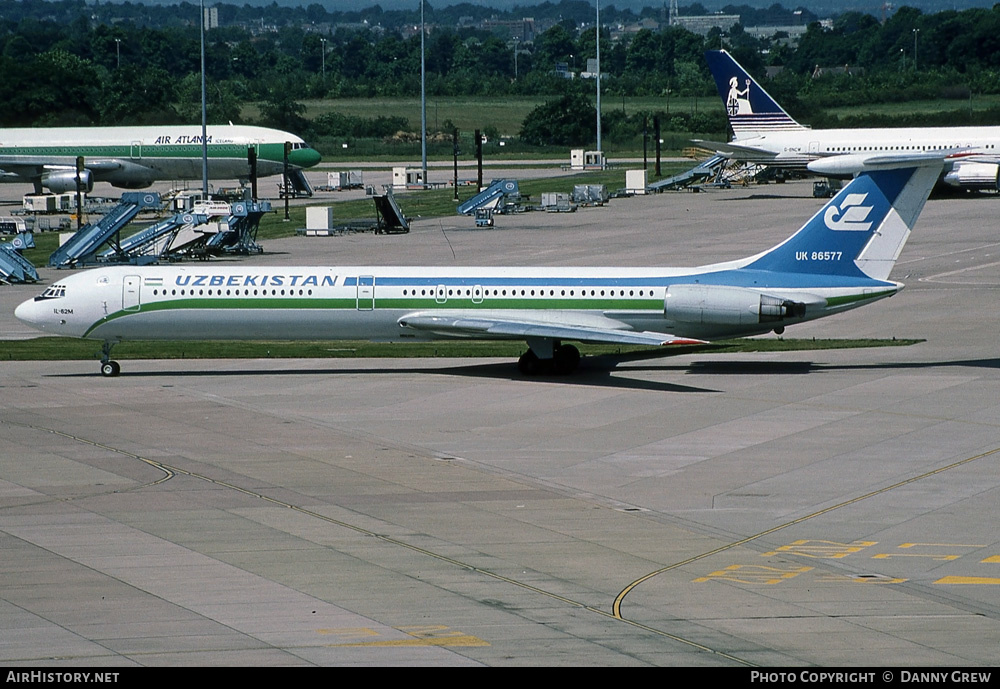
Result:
pixel 118 51
pixel 515 58
pixel 916 32
pixel 423 102
pixel 204 113
pixel 597 35
pixel 322 43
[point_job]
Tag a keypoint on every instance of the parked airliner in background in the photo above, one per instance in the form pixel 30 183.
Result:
pixel 763 133
pixel 839 260
pixel 135 157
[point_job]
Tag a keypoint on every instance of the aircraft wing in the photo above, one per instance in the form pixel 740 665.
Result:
pixel 18 166
pixel 23 166
pixel 561 326
pixel 734 150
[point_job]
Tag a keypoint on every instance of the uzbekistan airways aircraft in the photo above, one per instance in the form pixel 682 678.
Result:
pixel 135 157
pixel 763 133
pixel 839 260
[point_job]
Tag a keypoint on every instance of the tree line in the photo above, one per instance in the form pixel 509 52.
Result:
pixel 70 68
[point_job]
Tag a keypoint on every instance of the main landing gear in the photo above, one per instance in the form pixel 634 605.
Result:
pixel 563 360
pixel 109 368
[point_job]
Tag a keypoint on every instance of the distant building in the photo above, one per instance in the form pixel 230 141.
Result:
pixel 562 70
pixel 522 29
pixel 704 23
pixel 619 31
pixel 796 31
pixel 411 30
pixel 211 18
pixel 819 71
pixel 788 34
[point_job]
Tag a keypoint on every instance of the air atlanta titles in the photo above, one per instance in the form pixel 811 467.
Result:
pixel 182 139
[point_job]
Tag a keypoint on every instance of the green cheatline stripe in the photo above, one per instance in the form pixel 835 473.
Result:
pixel 351 304
pixel 55 348
pixel 266 151
pixel 425 304
pixel 850 299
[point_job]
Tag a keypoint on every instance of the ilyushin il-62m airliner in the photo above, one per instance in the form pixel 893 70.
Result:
pixel 135 157
pixel 839 260
pixel 765 134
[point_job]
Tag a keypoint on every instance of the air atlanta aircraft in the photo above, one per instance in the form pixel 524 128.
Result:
pixel 135 157
pixel 763 133
pixel 839 260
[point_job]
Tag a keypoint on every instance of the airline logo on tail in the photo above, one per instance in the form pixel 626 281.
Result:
pixel 738 102
pixel 851 223
pixel 750 109
pixel 851 215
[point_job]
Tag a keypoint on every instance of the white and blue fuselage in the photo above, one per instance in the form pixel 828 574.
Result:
pixel 318 303
pixel 840 259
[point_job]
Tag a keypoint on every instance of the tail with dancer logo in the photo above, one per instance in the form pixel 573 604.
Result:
pixel 751 111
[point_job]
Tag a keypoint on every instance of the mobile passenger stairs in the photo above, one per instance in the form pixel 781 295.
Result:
pixel 188 233
pixel 298 186
pixel 501 196
pixel 13 266
pixel 716 171
pixel 149 244
pixel 81 248
pixel 239 233
pixel 701 172
pixel 390 217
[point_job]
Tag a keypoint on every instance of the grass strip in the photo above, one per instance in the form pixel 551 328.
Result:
pixel 58 348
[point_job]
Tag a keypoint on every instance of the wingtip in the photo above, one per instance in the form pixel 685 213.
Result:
pixel 685 341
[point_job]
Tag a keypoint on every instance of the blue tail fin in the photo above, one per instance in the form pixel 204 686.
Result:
pixel 861 231
pixel 750 110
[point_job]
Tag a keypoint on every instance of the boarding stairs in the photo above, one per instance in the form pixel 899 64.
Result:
pixel 13 266
pixel 298 186
pixel 738 173
pixel 703 171
pixel 148 245
pixel 192 238
pixel 239 234
pixel 82 247
pixel 390 217
pixel 489 197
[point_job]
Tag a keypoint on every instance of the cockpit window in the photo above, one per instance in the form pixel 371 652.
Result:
pixel 53 292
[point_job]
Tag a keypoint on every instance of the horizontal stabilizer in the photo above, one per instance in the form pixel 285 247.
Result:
pixel 852 164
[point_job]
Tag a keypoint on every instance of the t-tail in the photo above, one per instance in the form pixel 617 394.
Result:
pixel 861 231
pixel 751 111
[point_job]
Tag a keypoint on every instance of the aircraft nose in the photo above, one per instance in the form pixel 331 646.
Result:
pixel 27 313
pixel 304 157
